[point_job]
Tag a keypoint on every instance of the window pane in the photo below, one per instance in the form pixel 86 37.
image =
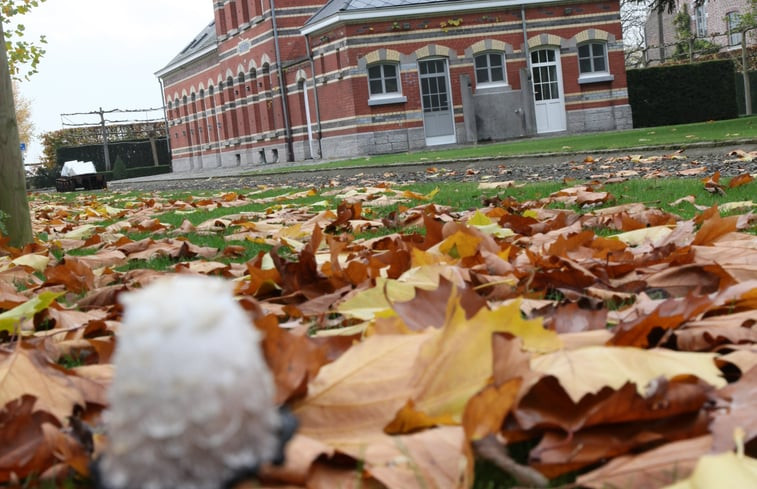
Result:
pixel 480 61
pixel 584 65
pixel 498 74
pixel 482 75
pixel 376 88
pixel 390 85
pixel 374 72
pixel 550 54
pixel 583 51
pixel 535 57
pixel 390 71
pixel 598 49
pixel 495 60
pixel 555 90
pixel 599 64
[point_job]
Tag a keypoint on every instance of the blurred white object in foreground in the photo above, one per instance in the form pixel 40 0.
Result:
pixel 191 402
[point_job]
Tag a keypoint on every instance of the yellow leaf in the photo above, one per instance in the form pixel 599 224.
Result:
pixel 367 303
pixel 479 219
pixel 733 206
pixel 420 258
pixel 486 225
pixel 37 262
pixel 432 194
pixel 457 362
pixel 643 235
pixel 587 370
pixel 722 470
pixel 81 232
pixel 9 319
pixel 460 245
pixel 532 213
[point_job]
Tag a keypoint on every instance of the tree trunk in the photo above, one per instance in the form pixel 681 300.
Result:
pixel 13 200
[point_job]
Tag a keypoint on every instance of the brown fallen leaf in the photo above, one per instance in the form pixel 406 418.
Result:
pixel 23 447
pixel 735 411
pixel 740 180
pixel 352 399
pixel 652 469
pixel 25 370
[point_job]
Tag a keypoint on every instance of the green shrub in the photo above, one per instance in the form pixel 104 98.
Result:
pixel 3 217
pixel 119 169
pixel 682 94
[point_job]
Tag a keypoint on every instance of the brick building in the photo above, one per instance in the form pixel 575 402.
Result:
pixel 275 80
pixel 715 21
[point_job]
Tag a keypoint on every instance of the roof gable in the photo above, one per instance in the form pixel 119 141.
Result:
pixel 206 38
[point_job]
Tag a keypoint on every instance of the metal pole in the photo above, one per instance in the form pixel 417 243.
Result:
pixel 282 85
pixel 315 95
pixel 661 34
pixel 105 139
pixel 745 74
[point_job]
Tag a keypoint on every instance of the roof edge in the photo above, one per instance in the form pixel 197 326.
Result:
pixel 419 9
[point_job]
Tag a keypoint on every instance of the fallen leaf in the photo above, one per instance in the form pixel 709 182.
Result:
pixel 578 373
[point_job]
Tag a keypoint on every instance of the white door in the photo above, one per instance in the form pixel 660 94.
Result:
pixel 549 101
pixel 438 112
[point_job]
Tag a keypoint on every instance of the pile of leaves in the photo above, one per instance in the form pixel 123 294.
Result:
pixel 556 338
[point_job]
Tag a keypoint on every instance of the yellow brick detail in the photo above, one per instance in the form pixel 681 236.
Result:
pixel 392 55
pixel 372 57
pixel 544 40
pixel 592 35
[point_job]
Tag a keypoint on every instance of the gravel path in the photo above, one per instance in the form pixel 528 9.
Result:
pixel 692 162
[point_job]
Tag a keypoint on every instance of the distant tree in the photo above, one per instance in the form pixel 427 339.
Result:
pixel 633 17
pixel 14 53
pixel 23 114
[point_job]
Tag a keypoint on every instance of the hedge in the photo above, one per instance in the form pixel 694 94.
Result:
pixel 684 93
pixel 134 154
pixel 752 91
pixel 142 171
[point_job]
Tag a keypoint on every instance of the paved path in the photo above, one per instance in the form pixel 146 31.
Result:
pixel 519 167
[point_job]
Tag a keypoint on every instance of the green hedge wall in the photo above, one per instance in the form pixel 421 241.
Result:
pixel 134 154
pixel 752 92
pixel 682 93
pixel 142 171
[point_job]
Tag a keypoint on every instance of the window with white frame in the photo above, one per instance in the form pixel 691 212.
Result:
pixel 592 58
pixel 490 69
pixel 700 18
pixel 384 84
pixel 732 20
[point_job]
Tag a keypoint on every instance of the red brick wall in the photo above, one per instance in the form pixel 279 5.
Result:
pixel 341 78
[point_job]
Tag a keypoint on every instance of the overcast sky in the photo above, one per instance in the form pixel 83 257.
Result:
pixel 104 53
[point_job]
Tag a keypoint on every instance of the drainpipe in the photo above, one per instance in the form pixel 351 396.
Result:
pixel 315 96
pixel 525 39
pixel 165 116
pixel 282 84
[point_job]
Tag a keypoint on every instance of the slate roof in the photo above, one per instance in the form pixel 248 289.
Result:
pixel 205 38
pixel 334 6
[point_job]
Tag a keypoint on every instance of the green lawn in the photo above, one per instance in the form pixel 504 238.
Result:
pixel 663 136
